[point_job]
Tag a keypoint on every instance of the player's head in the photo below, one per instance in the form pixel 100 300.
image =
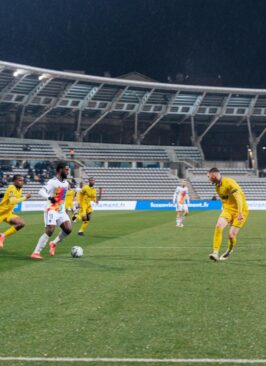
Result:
pixel 183 183
pixel 214 175
pixel 62 170
pixel 18 180
pixel 91 181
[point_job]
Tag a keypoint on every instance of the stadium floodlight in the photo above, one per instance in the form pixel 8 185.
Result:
pixel 44 76
pixel 19 72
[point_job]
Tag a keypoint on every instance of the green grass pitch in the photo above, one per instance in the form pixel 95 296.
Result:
pixel 144 288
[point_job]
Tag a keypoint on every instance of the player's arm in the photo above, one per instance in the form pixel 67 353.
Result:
pixel 239 201
pixel 14 200
pixel 187 198
pixel 99 197
pixel 175 196
pixel 47 191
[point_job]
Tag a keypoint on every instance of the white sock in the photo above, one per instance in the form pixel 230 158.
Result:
pixel 178 221
pixel 41 243
pixel 60 237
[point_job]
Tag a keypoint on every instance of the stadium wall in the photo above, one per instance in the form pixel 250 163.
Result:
pixel 195 205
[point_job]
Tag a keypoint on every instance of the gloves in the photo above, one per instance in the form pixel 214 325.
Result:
pixel 2 195
pixel 52 199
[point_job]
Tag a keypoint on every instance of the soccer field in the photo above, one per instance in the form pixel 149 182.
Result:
pixel 144 289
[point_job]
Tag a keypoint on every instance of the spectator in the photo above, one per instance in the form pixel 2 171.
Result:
pixel 72 153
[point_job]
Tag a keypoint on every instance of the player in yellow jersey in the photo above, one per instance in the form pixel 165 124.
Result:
pixel 234 212
pixel 12 196
pixel 88 194
pixel 70 195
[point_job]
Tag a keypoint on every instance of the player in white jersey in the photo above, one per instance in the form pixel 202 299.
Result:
pixel 181 200
pixel 54 213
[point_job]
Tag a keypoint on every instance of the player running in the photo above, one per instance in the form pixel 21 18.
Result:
pixel 54 214
pixel 88 194
pixel 181 200
pixel 234 213
pixel 11 198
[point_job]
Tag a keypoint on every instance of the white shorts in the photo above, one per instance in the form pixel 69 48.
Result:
pixel 53 217
pixel 183 207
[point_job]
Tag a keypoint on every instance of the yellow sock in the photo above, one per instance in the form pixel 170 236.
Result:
pixel 217 239
pixel 84 226
pixel 12 230
pixel 231 243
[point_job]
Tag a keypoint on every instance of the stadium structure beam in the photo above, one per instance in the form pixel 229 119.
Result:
pixel 11 85
pixel 131 83
pixel 159 117
pixel 249 111
pixel 83 106
pixel 194 110
pixel 50 106
pixel 253 141
pixel 142 102
pixel 28 100
pixel 109 109
pixel 216 117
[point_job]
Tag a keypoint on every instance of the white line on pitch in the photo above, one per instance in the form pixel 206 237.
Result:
pixel 137 360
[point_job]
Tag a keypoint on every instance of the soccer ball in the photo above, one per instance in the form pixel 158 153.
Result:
pixel 76 252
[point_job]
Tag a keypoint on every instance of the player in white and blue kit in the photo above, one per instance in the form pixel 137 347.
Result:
pixel 181 201
pixel 54 213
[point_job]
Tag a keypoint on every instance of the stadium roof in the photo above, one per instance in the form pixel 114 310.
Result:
pixel 38 92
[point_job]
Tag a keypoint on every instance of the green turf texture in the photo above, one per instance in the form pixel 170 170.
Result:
pixel 144 288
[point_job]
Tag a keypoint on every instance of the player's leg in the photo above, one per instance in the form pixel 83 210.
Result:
pixel 86 218
pixel 232 236
pixel 49 229
pixel 185 212
pixel 66 229
pixel 50 218
pixel 218 237
pixel 86 221
pixel 16 222
pixel 178 215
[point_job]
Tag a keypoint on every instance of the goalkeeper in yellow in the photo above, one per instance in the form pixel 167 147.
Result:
pixel 11 197
pixel 234 212
pixel 88 194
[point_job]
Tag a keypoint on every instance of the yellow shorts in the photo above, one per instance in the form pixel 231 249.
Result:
pixel 85 210
pixel 69 205
pixel 7 217
pixel 231 217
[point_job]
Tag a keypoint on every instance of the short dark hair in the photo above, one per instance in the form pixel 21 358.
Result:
pixel 16 176
pixel 61 165
pixel 214 170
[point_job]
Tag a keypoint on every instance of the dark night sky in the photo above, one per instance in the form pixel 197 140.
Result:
pixel 202 38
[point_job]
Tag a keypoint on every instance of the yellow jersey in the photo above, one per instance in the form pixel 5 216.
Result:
pixel 231 195
pixel 11 198
pixel 70 194
pixel 87 195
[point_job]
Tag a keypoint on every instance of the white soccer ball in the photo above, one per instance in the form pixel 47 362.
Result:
pixel 76 251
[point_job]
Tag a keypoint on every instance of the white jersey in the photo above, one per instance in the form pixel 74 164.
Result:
pixel 57 189
pixel 181 196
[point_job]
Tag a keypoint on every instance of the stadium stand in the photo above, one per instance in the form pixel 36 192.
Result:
pixel 19 150
pixel 237 173
pixel 115 152
pixel 127 184
pixel 188 153
pixel 254 188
